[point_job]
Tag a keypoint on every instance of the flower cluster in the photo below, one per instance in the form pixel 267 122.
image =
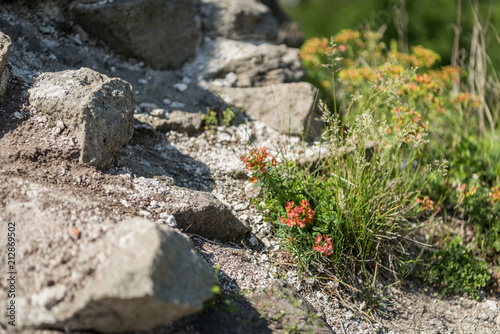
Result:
pixel 347 36
pixel 410 120
pixel 469 193
pixel 466 100
pixel 426 204
pixel 324 247
pixel 495 194
pixel 420 57
pixel 426 57
pixel 299 215
pixel 255 161
pixel 313 52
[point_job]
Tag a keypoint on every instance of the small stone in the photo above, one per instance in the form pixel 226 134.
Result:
pixel 145 214
pixel 168 219
pixel 225 137
pixel 159 113
pixel 49 296
pixel 147 107
pixel 177 105
pixel 491 305
pixel 142 81
pixel 240 206
pixel 180 87
pixel 167 101
pixel 252 191
pixel 244 133
pixel 253 240
pixel 231 78
pixel 125 203
pixel 265 228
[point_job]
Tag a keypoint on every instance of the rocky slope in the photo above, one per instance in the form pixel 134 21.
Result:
pixel 117 232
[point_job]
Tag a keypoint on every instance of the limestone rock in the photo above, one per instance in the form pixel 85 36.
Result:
pixel 162 32
pixel 5 45
pixel 153 278
pixel 289 107
pixel 180 121
pixel 209 217
pixel 98 110
pixel 241 19
pixel 255 64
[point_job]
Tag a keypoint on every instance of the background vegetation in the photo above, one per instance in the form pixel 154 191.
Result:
pixel 409 180
pixel 430 22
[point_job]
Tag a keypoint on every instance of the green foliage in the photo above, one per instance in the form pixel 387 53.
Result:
pixel 455 269
pixel 427 99
pixel 227 116
pixel 432 29
pixel 352 209
pixel 398 146
pixel 212 118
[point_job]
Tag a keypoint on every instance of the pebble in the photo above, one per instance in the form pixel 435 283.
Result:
pixel 49 296
pixel 240 206
pixel 252 191
pixel 147 107
pixel 491 305
pixel 253 240
pixel 159 113
pixel 180 87
pixel 168 219
pixel 176 105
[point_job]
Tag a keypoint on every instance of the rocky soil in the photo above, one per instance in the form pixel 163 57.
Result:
pixel 72 216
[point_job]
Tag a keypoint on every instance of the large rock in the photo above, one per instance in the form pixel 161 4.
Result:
pixel 237 19
pixel 256 64
pixel 162 32
pixel 209 217
pixel 5 45
pixel 98 110
pixel 196 212
pixel 152 278
pixel 177 120
pixel 245 63
pixel 289 108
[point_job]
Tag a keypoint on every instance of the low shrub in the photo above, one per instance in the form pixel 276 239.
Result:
pixel 455 269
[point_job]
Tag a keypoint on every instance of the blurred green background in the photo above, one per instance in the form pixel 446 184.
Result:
pixel 431 22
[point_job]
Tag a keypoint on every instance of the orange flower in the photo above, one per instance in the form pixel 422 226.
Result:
pixel 299 215
pixel 327 248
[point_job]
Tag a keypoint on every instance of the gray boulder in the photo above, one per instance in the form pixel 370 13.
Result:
pixel 257 64
pixel 180 121
pixel 289 107
pixel 5 45
pixel 243 19
pixel 98 110
pixel 153 277
pixel 209 217
pixel 162 32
